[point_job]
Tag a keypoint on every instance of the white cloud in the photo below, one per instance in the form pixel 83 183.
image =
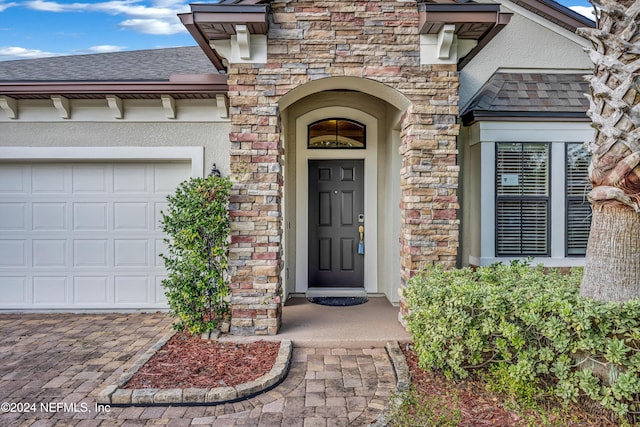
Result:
pixel 14 52
pixel 158 17
pixel 584 10
pixel 154 26
pixel 4 6
pixel 130 8
pixel 106 48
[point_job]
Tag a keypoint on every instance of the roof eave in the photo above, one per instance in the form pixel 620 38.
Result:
pixel 203 42
pixel 473 116
pixel 178 85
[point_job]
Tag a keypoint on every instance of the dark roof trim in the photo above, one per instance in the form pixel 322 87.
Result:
pixel 522 116
pixel 203 42
pixel 556 13
pixel 503 20
pixel 210 22
pixel 210 84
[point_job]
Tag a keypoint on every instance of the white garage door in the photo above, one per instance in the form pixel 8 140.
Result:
pixel 84 235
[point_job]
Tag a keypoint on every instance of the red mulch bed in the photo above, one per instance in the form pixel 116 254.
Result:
pixel 479 407
pixel 186 361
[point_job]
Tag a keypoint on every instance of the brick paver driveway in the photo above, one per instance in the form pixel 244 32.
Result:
pixel 52 365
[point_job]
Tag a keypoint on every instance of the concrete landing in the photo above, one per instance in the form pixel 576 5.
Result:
pixel 311 325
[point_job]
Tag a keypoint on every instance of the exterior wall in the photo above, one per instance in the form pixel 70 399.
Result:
pixel 92 125
pixel 524 44
pixel 479 195
pixel 315 40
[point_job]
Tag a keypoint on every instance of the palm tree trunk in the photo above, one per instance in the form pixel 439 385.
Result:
pixel 614 255
pixel 612 268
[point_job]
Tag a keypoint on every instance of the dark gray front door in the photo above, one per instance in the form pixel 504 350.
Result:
pixel 336 206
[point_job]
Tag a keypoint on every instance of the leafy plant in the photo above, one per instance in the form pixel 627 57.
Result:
pixel 197 222
pixel 530 328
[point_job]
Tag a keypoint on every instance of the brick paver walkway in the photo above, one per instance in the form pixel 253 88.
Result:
pixel 51 367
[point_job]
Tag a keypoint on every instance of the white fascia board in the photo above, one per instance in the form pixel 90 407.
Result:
pixel 190 153
pixel 503 131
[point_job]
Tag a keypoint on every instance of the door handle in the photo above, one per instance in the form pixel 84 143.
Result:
pixel 361 243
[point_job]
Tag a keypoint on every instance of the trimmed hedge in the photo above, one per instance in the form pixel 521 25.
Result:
pixel 197 223
pixel 532 327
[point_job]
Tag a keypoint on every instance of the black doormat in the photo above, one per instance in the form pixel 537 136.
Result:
pixel 338 301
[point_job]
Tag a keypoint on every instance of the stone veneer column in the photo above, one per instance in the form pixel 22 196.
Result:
pixel 429 176
pixel 256 200
pixel 310 40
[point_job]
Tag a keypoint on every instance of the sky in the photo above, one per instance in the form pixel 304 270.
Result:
pixel 42 28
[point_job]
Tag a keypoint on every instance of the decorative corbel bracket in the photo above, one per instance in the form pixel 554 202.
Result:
pixel 115 105
pixel 244 41
pixel 169 105
pixel 63 106
pixel 445 41
pixel 222 106
pixel 10 106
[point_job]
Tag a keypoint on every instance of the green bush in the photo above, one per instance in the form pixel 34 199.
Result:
pixel 530 326
pixel 197 222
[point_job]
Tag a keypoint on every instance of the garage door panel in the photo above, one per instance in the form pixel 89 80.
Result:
pixel 161 298
pixel 161 248
pixel 132 289
pixel 80 235
pixel 13 179
pixel 131 216
pixel 49 253
pixel 13 290
pixel 89 179
pixel 167 177
pixel 49 216
pixel 50 290
pixel 90 216
pixel 13 253
pixel 130 179
pixel 131 252
pixel 159 207
pixel 91 290
pixel 48 179
pixel 90 253
pixel 13 216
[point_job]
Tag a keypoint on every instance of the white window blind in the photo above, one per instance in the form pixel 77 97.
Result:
pixel 522 190
pixel 578 207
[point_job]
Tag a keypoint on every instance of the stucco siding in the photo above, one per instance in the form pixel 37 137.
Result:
pixel 214 137
pixel 522 44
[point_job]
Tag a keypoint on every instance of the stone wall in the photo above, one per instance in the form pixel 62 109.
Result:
pixel 310 40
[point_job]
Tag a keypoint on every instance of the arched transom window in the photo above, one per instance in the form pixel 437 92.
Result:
pixel 336 133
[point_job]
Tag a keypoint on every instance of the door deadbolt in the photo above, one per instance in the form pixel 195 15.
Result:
pixel 361 218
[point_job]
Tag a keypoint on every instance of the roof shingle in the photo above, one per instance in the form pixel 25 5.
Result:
pixel 529 94
pixel 140 65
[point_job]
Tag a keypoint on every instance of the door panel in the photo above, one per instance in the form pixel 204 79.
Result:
pixel 336 198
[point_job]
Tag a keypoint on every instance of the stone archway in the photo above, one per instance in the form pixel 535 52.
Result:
pixel 388 67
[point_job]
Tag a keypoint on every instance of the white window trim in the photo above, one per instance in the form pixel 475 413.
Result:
pixel 195 155
pixel 487 134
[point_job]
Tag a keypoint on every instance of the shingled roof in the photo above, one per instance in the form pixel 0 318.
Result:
pixel 141 65
pixel 529 96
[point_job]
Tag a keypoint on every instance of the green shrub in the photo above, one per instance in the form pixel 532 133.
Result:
pixel 531 326
pixel 197 222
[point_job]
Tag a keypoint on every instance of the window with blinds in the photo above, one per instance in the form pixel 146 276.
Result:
pixel 578 208
pixel 522 198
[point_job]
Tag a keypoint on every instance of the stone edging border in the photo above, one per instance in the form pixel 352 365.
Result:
pixel 115 396
pixel 403 380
